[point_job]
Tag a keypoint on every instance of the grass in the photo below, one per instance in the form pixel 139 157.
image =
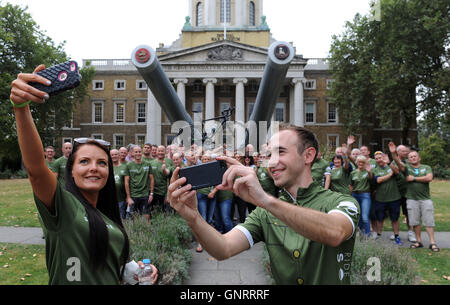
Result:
pixel 22 265
pixel 432 267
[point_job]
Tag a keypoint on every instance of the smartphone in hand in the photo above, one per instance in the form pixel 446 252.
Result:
pixel 63 76
pixel 204 175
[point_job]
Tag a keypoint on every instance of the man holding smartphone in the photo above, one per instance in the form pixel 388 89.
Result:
pixel 308 231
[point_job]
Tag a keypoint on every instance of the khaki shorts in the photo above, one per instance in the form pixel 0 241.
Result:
pixel 418 209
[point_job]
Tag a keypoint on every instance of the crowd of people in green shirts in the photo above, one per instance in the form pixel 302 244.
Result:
pixel 383 185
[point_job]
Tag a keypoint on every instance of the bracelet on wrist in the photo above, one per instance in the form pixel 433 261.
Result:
pixel 19 105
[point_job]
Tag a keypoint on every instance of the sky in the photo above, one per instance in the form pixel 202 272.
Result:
pixel 111 29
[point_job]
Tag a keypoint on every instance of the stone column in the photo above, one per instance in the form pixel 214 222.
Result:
pixel 153 120
pixel 240 111
pixel 181 89
pixel 299 113
pixel 209 101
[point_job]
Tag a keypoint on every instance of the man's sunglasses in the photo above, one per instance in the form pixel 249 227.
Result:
pixel 86 140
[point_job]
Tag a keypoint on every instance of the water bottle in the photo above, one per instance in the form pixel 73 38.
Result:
pixel 145 274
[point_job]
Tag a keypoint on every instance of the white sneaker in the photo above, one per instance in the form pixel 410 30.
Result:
pixel 412 236
pixel 392 237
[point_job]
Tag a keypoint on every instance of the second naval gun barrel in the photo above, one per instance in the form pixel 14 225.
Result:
pixel 280 55
pixel 145 60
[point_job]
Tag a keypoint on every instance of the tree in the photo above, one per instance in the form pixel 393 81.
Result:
pixel 387 70
pixel 23 46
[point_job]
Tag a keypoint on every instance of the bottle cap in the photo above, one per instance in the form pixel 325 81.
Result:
pixel 146 261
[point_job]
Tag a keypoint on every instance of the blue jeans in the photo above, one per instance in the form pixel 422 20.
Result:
pixel 206 207
pixel 123 209
pixel 222 216
pixel 365 203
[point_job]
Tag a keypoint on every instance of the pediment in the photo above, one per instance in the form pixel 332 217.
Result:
pixel 217 52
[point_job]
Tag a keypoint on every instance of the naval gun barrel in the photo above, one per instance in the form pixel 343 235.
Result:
pixel 279 58
pixel 280 55
pixel 145 60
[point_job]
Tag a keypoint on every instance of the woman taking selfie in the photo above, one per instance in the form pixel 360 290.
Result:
pixel 85 239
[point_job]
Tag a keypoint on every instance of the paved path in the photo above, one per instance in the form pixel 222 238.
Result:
pixel 243 269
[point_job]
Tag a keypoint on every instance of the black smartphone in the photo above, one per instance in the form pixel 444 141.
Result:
pixel 204 175
pixel 63 76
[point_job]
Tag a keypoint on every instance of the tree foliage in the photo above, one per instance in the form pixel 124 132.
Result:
pixel 389 69
pixel 23 46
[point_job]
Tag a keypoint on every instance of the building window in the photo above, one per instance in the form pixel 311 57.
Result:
pixel 225 89
pixel 97 136
pixel 141 113
pixel 310 113
pixel 199 14
pixel 198 87
pixel 251 14
pixel 67 140
pixel 227 4
pixel 332 142
pixel 140 139
pixel 69 124
pixel 253 86
pixel 329 83
pixel 120 85
pixel 332 113
pixel 119 140
pixel 197 107
pixel 280 113
pixel 119 112
pixel 98 85
pixel 97 112
pixel 224 106
pixel 250 107
pixel 310 84
pixel 141 85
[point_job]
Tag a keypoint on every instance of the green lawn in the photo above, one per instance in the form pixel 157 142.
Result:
pixel 432 266
pixel 22 265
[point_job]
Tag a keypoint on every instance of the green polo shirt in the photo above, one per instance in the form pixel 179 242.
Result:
pixel 160 179
pixel 388 190
pixel 318 170
pixel 67 244
pixel 139 178
pixel 340 179
pixel 221 196
pixel 59 166
pixel 418 190
pixel 119 177
pixel 360 181
pixel 295 259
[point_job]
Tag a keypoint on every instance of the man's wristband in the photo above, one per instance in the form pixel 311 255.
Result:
pixel 151 194
pixel 19 105
pixel 414 178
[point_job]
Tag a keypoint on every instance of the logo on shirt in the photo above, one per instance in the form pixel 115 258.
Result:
pixel 349 207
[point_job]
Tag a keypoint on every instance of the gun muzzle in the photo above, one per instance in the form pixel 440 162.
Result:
pixel 145 60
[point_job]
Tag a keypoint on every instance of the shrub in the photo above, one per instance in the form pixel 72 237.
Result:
pixel 167 242
pixel 397 267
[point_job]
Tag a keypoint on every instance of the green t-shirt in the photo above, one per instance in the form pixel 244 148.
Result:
pixel 401 180
pixel 119 177
pixel 59 166
pixel 418 190
pixel 49 164
pixel 67 244
pixel 221 196
pixel 160 179
pixel 139 178
pixel 360 181
pixel 205 190
pixel 318 170
pixel 388 190
pixel 295 259
pixel 340 179
pixel 266 181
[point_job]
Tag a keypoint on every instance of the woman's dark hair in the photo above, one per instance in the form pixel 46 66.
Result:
pixel 107 204
pixel 338 157
pixel 252 160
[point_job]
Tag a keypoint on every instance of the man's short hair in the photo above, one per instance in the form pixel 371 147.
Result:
pixel 49 147
pixel 306 137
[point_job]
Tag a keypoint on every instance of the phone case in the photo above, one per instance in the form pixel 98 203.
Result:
pixel 63 76
pixel 204 175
